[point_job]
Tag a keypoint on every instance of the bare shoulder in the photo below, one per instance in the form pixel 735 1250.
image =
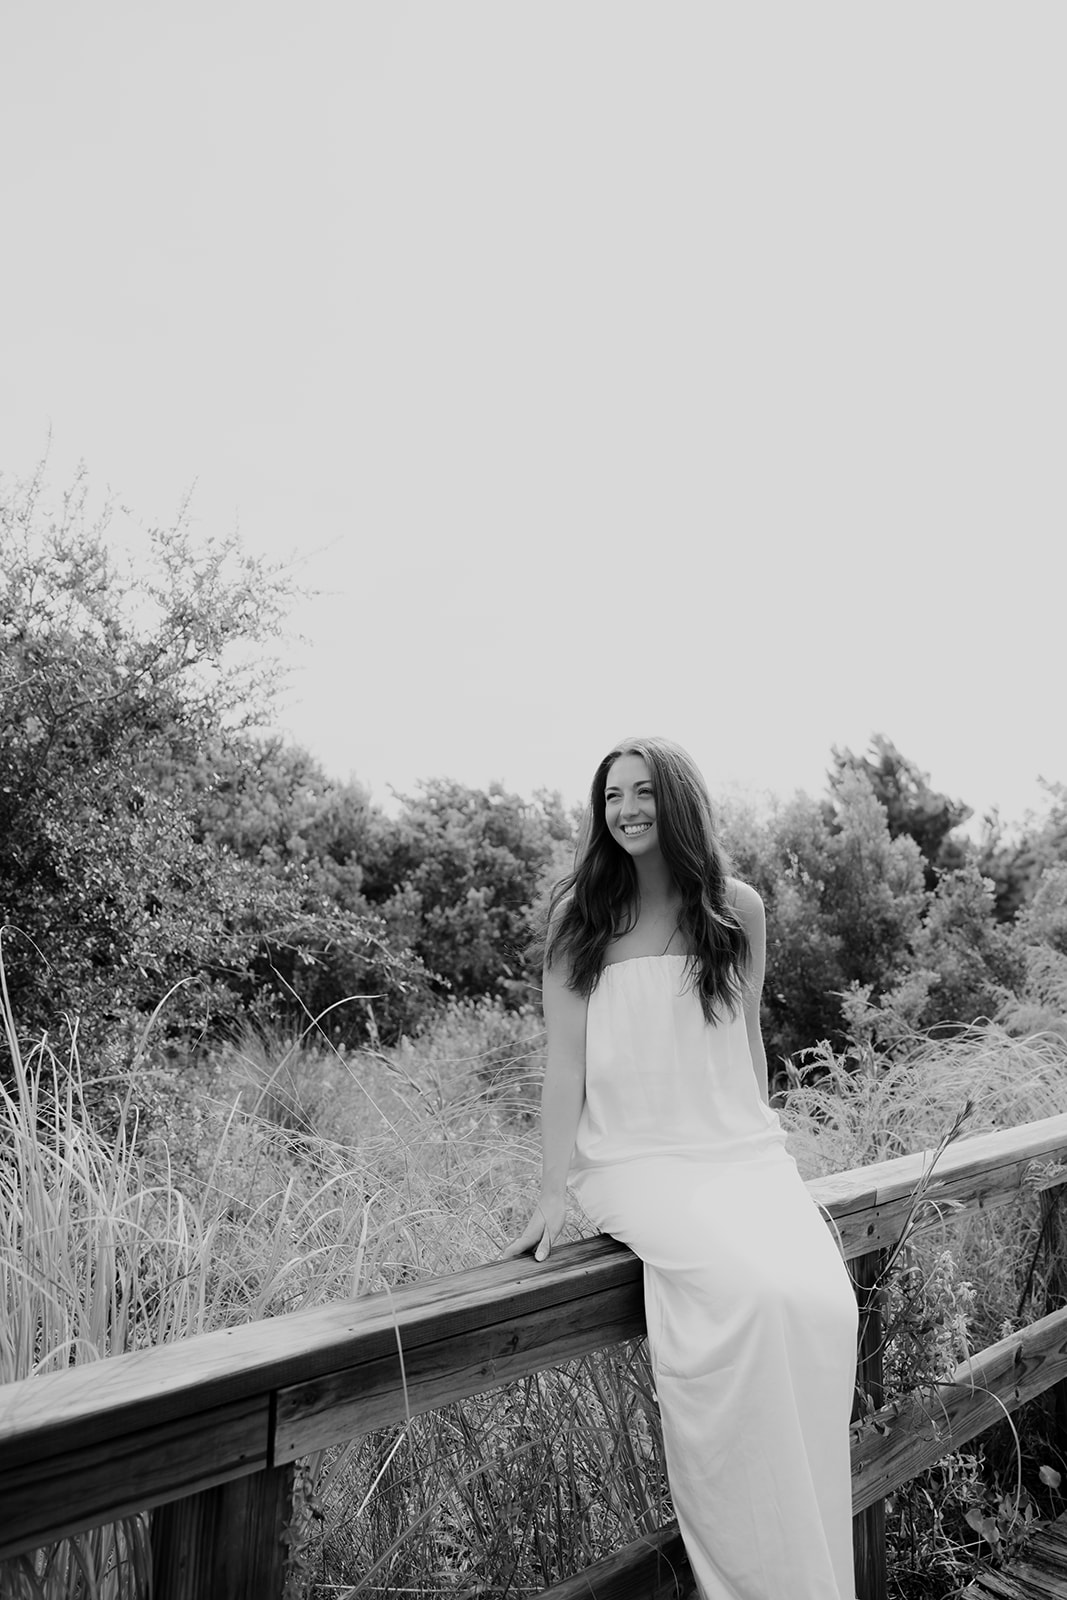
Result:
pixel 556 970
pixel 750 913
pixel 556 917
pixel 747 903
pixel 564 1007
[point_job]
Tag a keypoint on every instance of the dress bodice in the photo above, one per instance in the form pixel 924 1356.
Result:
pixel 661 1080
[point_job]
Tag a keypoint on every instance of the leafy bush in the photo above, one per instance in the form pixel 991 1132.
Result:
pixel 118 689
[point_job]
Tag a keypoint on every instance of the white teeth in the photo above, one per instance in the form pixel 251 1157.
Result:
pixel 636 827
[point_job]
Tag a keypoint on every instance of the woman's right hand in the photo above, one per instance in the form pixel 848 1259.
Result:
pixel 540 1232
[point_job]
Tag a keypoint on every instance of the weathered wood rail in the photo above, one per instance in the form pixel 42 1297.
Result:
pixel 1039 1575
pixel 207 1430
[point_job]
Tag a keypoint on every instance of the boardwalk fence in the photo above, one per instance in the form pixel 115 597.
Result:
pixel 207 1431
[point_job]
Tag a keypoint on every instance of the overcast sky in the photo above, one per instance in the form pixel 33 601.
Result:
pixel 611 368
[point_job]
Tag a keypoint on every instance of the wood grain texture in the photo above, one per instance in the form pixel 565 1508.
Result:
pixel 869 1206
pixel 1040 1573
pixel 378 1393
pixel 911 1434
pixel 42 1416
pixel 868 1526
pixel 43 1500
pixel 1054 1231
pixel 655 1568
pixel 226 1543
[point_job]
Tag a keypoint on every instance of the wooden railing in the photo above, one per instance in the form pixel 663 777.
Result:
pixel 206 1431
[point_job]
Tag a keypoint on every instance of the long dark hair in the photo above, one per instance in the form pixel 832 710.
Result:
pixel 600 899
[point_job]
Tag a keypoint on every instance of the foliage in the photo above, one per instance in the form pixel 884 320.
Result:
pixel 116 686
pixel 977 963
pixel 151 843
pixel 1015 859
pixel 853 921
pixel 953 1285
pixel 459 875
pixel 911 806
pixel 1040 1003
pixel 270 802
pixel 298 1174
pixel 843 901
pixel 1044 920
pixel 104 1249
pixel 98 669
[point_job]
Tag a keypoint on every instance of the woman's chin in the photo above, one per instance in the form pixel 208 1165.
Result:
pixel 636 844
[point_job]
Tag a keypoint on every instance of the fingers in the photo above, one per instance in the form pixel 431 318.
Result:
pixel 526 1240
pixel 537 1233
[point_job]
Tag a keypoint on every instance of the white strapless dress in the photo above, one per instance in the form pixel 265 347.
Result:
pixel 751 1315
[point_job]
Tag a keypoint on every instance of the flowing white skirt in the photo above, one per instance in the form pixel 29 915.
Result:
pixel 752 1330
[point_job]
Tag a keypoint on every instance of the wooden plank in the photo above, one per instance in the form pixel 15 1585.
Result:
pixel 47 1415
pixel 1001 1585
pixel 909 1435
pixel 868 1527
pixel 224 1544
pixel 869 1206
pixel 885 1182
pixel 93 1483
pixel 49 1421
pixel 1053 1537
pixel 375 1394
pixel 111 1398
pixel 1054 1231
pixel 653 1568
pixel 1039 1574
pixel 136 1404
pixel 1019 1582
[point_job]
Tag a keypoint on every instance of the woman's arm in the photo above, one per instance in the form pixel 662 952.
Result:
pixel 749 907
pixel 562 1098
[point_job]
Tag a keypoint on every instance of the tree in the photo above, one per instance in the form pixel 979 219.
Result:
pixel 1040 1006
pixel 977 963
pixel 844 901
pixel 111 680
pixel 271 804
pixel 459 874
pixel 912 807
pixel 1016 863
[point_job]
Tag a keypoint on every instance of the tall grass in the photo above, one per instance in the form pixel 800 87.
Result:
pixel 514 1489
pixel 281 1173
pixel 103 1251
pixel 296 1176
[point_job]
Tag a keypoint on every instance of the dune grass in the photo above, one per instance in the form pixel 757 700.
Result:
pixel 281 1173
pixel 294 1177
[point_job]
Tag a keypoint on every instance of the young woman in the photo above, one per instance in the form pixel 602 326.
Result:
pixel 655 1104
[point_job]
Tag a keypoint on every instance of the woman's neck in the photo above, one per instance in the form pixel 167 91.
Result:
pixel 655 884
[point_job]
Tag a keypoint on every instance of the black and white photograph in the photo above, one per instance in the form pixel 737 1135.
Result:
pixel 533 800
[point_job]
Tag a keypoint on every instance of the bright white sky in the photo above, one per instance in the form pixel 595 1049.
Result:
pixel 612 367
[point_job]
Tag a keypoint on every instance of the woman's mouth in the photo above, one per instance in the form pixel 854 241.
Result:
pixel 633 829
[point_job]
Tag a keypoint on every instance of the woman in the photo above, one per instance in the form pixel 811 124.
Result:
pixel 655 1103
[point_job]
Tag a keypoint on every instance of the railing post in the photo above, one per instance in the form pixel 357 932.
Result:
pixel 224 1543
pixel 868 1529
pixel 1054 1229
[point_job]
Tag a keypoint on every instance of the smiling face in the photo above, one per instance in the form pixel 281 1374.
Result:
pixel 630 805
